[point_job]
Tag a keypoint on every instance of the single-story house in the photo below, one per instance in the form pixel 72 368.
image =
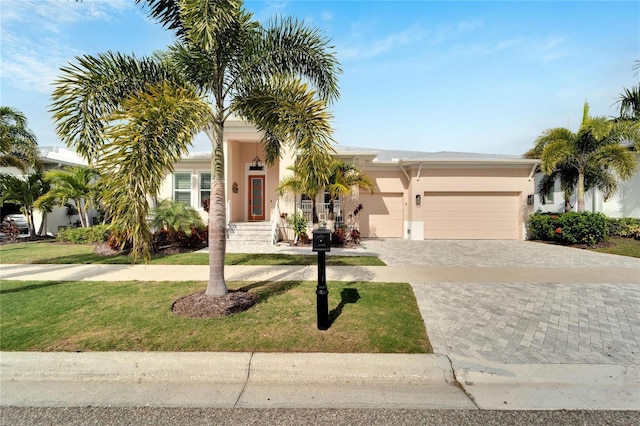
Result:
pixel 418 195
pixel 624 203
pixel 59 217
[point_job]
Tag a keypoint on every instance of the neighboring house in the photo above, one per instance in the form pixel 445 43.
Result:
pixel 52 158
pixel 624 203
pixel 418 195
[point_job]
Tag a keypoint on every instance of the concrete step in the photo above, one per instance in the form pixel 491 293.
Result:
pixel 249 233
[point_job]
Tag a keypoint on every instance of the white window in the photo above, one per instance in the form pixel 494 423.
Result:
pixel 205 187
pixel 182 187
pixel 548 196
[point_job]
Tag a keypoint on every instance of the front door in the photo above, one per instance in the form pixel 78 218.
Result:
pixel 256 197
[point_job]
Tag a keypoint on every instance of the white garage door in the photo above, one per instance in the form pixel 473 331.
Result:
pixel 471 215
pixel 382 215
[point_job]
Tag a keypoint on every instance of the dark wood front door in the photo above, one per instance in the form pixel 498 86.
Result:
pixel 256 198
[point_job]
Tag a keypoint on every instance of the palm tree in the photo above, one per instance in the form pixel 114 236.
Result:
pixel 592 156
pixel 279 76
pixel 72 184
pixel 18 144
pixel 175 216
pixel 305 181
pixel 23 190
pixel 343 180
pixel 629 101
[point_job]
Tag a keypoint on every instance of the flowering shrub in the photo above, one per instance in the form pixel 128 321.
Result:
pixel 569 228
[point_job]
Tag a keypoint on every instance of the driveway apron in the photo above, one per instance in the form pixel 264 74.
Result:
pixel 528 321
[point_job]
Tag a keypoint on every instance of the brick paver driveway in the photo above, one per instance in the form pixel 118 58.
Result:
pixel 533 322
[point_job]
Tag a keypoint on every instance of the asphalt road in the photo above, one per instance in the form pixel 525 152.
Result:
pixel 105 416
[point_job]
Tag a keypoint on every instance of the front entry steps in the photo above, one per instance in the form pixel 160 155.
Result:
pixel 249 233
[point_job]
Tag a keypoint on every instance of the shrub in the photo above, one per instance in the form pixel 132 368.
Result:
pixel 627 227
pixel 569 228
pixel 298 224
pixel 90 235
pixel 196 238
pixel 9 228
pixel 541 226
pixel 355 236
pixel 339 236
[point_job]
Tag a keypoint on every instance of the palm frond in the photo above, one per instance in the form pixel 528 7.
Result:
pixel 92 88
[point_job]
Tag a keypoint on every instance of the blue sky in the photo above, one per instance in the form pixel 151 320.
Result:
pixel 473 76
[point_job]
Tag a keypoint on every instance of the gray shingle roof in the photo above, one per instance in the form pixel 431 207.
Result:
pixel 385 155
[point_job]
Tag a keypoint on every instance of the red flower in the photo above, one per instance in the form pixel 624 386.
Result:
pixel 558 230
pixel 553 216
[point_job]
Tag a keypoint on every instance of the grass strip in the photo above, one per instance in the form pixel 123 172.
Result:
pixel 136 316
pixel 48 252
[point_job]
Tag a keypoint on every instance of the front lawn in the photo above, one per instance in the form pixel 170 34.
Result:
pixel 52 252
pixel 136 316
pixel 622 247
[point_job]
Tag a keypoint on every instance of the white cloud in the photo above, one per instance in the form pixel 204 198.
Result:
pixel 326 16
pixel 32 66
pixel 380 46
pixel 55 14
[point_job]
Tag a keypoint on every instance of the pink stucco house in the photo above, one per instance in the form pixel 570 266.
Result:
pixel 419 195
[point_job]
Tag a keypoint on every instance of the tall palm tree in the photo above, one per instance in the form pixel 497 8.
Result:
pixel 18 144
pixel 23 190
pixel 344 178
pixel 72 184
pixel 279 76
pixel 629 100
pixel 594 151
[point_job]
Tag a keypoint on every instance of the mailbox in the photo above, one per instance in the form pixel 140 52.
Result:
pixel 321 239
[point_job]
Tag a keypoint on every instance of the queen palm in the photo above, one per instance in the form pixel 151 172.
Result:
pixel 344 178
pixel 18 144
pixel 72 184
pixel 593 152
pixel 279 76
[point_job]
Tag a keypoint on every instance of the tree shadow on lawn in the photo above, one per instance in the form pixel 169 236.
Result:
pixel 36 286
pixel 267 289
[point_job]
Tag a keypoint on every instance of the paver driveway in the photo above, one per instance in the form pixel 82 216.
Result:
pixel 522 322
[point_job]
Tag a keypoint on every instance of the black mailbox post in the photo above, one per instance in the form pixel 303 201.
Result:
pixel 322 244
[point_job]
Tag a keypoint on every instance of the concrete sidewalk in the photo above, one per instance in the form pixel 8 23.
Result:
pixel 410 274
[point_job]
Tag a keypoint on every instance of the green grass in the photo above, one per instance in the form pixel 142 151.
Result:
pixel 622 247
pixel 62 253
pixel 136 316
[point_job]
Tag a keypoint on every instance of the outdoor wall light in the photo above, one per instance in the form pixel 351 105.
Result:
pixel 418 200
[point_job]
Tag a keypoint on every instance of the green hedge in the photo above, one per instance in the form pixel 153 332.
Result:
pixel 90 235
pixel 627 227
pixel 569 228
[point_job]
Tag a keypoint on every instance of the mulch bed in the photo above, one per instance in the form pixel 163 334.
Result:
pixel 199 305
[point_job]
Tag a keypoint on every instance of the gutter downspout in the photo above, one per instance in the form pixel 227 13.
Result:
pixel 419 170
pixel 533 171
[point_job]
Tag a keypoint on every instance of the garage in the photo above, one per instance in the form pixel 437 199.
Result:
pixel 471 215
pixel 382 215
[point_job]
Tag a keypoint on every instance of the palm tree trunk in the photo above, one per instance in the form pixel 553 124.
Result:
pixel 217 216
pixel 580 191
pixel 314 212
pixel 43 224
